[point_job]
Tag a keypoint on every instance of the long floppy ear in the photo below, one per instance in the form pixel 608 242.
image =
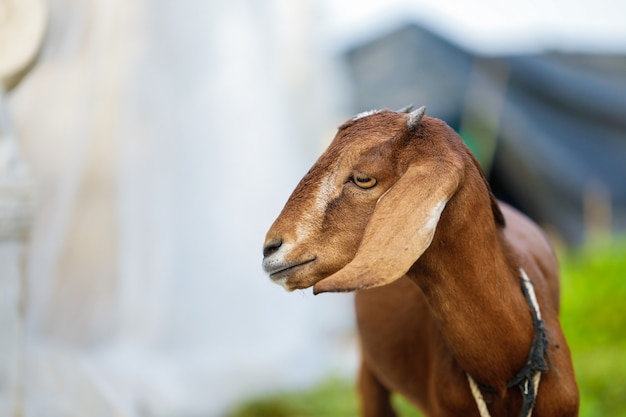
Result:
pixel 400 230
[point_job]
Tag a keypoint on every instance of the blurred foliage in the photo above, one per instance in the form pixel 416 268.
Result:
pixel 593 316
pixel 334 398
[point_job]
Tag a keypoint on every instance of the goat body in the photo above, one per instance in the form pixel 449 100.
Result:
pixel 398 209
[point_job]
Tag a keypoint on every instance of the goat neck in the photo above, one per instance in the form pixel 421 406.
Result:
pixel 471 282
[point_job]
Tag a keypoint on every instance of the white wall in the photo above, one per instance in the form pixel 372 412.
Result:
pixel 165 137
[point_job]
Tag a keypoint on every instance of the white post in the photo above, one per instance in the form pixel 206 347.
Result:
pixel 16 208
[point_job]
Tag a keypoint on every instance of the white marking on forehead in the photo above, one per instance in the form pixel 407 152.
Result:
pixel 327 190
pixel 365 114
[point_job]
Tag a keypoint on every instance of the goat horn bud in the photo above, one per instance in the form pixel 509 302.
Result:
pixel 413 118
pixel 405 109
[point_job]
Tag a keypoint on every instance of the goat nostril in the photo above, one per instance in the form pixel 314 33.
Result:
pixel 271 247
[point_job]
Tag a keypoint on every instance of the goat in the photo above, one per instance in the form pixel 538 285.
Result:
pixel 398 209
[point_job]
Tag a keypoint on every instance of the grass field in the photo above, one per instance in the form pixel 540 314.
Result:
pixel 593 317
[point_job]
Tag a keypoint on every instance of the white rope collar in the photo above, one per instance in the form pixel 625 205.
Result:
pixel 529 384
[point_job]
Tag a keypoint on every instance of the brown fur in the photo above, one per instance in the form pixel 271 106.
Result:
pixel 434 303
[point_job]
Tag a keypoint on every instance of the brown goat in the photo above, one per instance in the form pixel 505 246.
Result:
pixel 398 208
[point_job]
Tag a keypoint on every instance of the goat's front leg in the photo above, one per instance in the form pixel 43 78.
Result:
pixel 375 398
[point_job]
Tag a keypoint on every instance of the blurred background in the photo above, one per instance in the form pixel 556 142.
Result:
pixel 151 144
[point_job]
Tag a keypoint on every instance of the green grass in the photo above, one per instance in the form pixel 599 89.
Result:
pixel 593 316
pixel 333 398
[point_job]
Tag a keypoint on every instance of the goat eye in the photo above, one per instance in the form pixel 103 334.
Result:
pixel 363 181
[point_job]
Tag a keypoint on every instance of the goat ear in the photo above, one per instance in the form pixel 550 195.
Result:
pixel 400 230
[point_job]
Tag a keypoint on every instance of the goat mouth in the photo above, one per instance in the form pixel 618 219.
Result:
pixel 282 272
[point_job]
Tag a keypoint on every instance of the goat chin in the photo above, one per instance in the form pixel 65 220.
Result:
pixel 399 206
